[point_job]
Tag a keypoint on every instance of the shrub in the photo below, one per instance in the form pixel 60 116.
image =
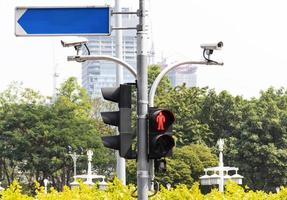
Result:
pixel 117 191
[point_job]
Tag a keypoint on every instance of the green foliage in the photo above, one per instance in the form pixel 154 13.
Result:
pixel 117 191
pixel 222 113
pixel 255 130
pixel 261 142
pixel 185 166
pixel 34 135
pixel 187 128
pixel 164 85
pixel 14 192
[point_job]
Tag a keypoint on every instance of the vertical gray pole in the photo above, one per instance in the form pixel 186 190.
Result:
pixel 119 42
pixel 142 102
pixel 121 163
pixel 151 175
pixel 55 76
pixel 75 167
pixel 220 143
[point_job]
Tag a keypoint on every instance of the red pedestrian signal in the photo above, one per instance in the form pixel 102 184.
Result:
pixel 160 120
pixel 160 142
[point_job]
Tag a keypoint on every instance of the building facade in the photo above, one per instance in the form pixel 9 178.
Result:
pixel 185 74
pixel 99 74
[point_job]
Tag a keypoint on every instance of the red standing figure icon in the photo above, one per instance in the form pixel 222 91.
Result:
pixel 160 119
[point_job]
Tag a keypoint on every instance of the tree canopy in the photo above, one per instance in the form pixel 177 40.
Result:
pixel 35 132
pixel 254 130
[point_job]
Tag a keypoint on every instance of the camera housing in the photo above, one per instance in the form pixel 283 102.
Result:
pixel 212 46
pixel 75 42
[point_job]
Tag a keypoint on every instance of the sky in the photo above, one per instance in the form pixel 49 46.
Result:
pixel 253 32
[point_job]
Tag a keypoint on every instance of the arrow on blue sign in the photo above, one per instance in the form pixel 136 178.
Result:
pixel 63 21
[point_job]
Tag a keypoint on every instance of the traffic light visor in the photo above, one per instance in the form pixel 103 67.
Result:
pixel 112 142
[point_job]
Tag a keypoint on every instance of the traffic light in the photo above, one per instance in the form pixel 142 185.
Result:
pixel 121 119
pixel 160 142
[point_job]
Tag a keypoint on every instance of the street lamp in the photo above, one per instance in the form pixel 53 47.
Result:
pixel 205 179
pixel 237 178
pixel 214 179
pixel 207 51
pixel 103 184
pixel 46 182
pixel 119 62
pixel 220 173
pixel 89 174
pixel 74 157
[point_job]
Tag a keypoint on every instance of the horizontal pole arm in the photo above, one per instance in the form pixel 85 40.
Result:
pixel 167 69
pixel 103 57
pixel 124 28
pixel 123 13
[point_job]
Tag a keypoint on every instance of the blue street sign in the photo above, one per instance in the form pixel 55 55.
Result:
pixel 62 21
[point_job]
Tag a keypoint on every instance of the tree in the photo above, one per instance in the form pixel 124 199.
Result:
pixel 164 85
pixel 184 167
pixel 254 130
pixel 222 113
pixel 74 121
pixel 261 145
pixel 16 122
pixel 35 134
pixel 186 104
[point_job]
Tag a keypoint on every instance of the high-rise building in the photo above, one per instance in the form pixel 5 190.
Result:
pixel 183 74
pixel 98 74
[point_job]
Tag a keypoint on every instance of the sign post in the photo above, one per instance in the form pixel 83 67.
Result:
pixel 49 21
pixel 142 103
pixel 90 21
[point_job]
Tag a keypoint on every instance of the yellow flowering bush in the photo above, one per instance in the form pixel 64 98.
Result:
pixel 117 191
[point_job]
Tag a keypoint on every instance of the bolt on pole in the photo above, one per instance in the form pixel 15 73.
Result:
pixel 142 104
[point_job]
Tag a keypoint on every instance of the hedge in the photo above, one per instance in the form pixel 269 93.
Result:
pixel 116 191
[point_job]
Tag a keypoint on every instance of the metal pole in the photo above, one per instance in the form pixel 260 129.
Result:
pixel 121 163
pixel 74 157
pixel 142 104
pixel 75 165
pixel 89 180
pixel 119 41
pixel 46 181
pixel 221 165
pixel 55 76
pixel 104 57
pixel 166 70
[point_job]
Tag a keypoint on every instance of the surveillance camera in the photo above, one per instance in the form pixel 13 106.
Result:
pixel 214 46
pixel 74 43
pixel 77 43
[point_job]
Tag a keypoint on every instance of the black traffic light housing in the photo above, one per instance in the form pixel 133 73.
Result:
pixel 121 119
pixel 160 140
